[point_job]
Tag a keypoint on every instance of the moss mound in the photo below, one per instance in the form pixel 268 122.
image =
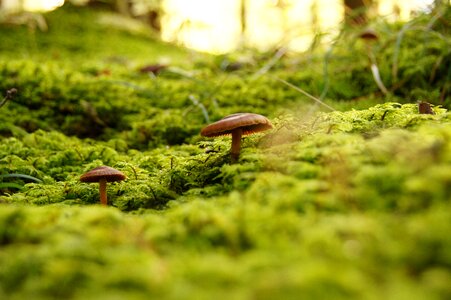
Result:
pixel 350 204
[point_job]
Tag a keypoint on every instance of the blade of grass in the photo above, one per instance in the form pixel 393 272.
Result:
pixel 23 176
pixel 10 185
pixel 277 56
pixel 304 93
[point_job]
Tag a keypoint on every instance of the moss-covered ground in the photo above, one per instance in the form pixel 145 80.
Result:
pixel 346 204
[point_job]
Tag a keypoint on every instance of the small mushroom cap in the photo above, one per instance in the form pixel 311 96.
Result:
pixel 425 108
pixel 102 172
pixel 369 34
pixel 248 122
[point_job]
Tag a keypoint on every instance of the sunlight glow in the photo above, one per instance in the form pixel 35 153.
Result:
pixel 214 25
pixel 203 25
pixel 31 5
pixel 401 9
pixel 42 5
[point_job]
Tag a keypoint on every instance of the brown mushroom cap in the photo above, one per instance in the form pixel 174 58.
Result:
pixel 248 122
pixel 102 172
pixel 369 34
pixel 425 108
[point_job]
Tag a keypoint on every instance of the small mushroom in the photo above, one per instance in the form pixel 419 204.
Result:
pixel 154 69
pixel 102 175
pixel 237 125
pixel 425 108
pixel 370 35
pixel 9 95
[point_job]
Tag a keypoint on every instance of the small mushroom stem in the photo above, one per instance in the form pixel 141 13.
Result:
pixel 102 189
pixel 375 69
pixel 236 144
pixel 377 78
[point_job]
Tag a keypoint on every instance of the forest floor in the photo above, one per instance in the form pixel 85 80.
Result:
pixel 346 197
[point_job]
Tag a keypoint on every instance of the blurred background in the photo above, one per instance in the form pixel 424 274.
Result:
pixel 222 26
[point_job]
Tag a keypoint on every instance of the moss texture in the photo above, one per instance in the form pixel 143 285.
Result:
pixel 348 204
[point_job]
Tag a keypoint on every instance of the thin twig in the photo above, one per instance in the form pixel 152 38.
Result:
pixel 326 65
pixel 399 39
pixel 436 17
pixel 277 56
pixel 197 103
pixel 304 93
pixel 22 176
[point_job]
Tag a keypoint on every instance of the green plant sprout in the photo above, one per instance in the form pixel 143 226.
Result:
pixel 9 95
pixel 7 185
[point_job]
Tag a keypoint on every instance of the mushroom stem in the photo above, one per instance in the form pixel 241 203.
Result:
pixel 375 69
pixel 102 189
pixel 377 78
pixel 236 144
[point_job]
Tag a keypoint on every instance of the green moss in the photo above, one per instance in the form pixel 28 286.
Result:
pixel 169 253
pixel 343 156
pixel 350 204
pixel 74 31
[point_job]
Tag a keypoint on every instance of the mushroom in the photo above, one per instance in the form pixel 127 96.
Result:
pixel 102 175
pixel 237 125
pixel 425 108
pixel 370 35
pixel 9 95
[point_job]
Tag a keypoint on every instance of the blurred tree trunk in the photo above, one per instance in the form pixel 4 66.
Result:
pixel 154 20
pixel 356 11
pixel 441 3
pixel 243 9
pixel 123 7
